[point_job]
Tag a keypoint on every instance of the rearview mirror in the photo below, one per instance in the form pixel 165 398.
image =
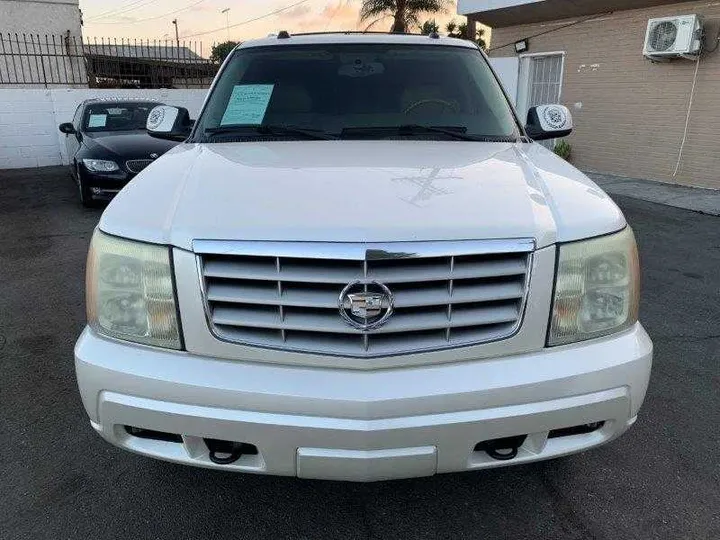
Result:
pixel 172 123
pixel 549 122
pixel 67 128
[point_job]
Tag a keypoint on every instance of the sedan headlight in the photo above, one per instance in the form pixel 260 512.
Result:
pixel 130 292
pixel 597 288
pixel 100 165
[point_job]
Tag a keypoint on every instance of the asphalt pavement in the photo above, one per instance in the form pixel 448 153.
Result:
pixel 60 481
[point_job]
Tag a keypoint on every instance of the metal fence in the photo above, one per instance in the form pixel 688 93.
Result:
pixel 52 61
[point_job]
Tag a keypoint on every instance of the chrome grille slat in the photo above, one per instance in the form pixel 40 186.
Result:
pixel 231 294
pixel 232 270
pixel 327 321
pixel 328 299
pixel 285 297
pixel 460 295
pixel 387 344
pixel 444 272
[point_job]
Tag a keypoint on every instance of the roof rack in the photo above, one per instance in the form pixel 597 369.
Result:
pixel 352 32
pixel 119 99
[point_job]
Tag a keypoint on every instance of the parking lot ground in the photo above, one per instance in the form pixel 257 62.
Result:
pixel 60 481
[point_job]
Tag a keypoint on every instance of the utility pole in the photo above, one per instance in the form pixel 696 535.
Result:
pixel 177 33
pixel 226 11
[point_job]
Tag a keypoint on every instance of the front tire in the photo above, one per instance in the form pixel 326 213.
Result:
pixel 85 194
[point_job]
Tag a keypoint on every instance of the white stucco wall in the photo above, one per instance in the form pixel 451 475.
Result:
pixel 30 27
pixel 508 70
pixel 40 17
pixel 29 120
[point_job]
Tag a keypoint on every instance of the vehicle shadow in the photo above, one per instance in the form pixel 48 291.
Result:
pixel 526 501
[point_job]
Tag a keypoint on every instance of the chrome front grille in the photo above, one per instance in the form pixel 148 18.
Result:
pixel 137 165
pixel 287 295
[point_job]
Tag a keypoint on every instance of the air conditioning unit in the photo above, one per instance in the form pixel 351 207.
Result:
pixel 673 37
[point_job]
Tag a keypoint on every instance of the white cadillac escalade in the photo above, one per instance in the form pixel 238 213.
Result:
pixel 361 265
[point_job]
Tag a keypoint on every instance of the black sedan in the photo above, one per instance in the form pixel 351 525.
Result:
pixel 107 146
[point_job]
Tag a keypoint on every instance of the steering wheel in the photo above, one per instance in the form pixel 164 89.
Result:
pixel 447 104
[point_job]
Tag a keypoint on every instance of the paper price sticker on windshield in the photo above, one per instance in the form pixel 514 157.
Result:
pixel 248 104
pixel 97 120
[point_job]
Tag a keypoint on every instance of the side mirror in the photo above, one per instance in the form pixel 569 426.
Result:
pixel 171 123
pixel 549 122
pixel 67 128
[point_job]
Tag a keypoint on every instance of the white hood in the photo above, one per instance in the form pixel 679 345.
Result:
pixel 360 191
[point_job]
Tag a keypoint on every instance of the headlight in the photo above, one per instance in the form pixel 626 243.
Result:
pixel 101 165
pixel 130 292
pixel 596 289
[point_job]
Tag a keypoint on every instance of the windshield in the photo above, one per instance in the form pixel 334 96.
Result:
pixel 116 116
pixel 375 91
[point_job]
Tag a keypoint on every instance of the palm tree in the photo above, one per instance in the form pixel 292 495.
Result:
pixel 405 13
pixel 430 27
pixel 456 30
pixel 453 30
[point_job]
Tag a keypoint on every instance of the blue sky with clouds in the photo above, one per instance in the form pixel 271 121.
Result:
pixel 152 19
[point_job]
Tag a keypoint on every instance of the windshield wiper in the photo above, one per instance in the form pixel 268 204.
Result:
pixel 456 132
pixel 273 130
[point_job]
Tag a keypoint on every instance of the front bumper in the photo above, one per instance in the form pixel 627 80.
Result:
pixel 363 425
pixel 105 186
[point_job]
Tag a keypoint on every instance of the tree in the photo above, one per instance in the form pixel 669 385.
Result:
pixel 221 50
pixel 453 30
pixel 460 31
pixel 429 27
pixel 405 13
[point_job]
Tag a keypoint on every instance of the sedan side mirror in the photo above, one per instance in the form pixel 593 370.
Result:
pixel 67 128
pixel 549 122
pixel 171 123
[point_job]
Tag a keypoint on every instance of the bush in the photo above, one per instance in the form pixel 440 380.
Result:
pixel 564 150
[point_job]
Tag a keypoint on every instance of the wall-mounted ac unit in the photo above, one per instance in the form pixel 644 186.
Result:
pixel 673 37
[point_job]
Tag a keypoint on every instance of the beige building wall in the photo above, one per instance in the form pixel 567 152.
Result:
pixel 629 112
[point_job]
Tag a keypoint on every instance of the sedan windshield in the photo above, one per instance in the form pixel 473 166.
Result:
pixel 357 91
pixel 116 116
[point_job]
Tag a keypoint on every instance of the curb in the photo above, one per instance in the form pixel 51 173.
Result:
pixel 701 200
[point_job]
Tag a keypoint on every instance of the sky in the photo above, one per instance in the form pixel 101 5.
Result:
pixel 203 20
